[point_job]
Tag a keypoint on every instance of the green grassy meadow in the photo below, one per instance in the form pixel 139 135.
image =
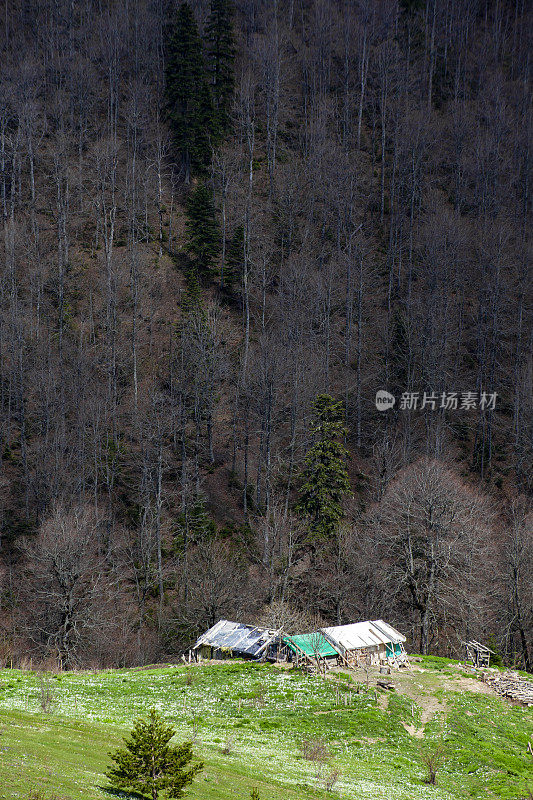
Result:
pixel 248 722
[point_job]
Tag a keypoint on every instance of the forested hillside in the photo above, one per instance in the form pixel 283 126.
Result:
pixel 225 228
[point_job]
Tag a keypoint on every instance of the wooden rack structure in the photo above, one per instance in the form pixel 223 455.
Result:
pixel 478 654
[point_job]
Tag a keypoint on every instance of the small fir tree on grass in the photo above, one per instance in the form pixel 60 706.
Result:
pixel 149 765
pixel 324 476
pixel 203 232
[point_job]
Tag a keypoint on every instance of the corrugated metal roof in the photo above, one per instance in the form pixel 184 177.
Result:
pixel 363 634
pixel 394 636
pixel 245 639
pixel 311 644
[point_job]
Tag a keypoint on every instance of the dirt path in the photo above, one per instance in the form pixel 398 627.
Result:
pixel 419 688
pixel 417 732
pixel 461 684
pixel 383 701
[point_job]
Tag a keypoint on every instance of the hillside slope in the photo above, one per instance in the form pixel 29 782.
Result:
pixel 249 723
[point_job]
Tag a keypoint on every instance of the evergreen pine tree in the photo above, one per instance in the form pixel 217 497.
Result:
pixel 194 524
pixel 192 297
pixel 149 765
pixel 234 260
pixel 221 57
pixel 203 232
pixel 206 132
pixel 188 96
pixel 324 476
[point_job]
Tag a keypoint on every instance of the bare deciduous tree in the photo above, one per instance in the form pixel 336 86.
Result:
pixel 433 533
pixel 71 594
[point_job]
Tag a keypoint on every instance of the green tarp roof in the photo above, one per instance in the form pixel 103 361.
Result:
pixel 311 644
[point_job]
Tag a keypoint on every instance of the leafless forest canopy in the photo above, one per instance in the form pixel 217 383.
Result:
pixel 377 171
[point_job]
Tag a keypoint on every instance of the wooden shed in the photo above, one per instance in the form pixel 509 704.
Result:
pixel 478 654
pixel 371 642
pixel 228 639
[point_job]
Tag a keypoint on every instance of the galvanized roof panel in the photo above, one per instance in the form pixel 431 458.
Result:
pixel 360 635
pixel 394 636
pixel 237 637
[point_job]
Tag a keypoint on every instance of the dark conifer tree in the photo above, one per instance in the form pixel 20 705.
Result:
pixel 221 57
pixel 203 232
pixel 324 476
pixel 206 130
pixel 194 524
pixel 149 765
pixel 188 96
pixel 192 297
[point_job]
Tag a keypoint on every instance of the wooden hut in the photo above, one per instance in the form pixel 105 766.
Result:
pixel 371 642
pixel 228 639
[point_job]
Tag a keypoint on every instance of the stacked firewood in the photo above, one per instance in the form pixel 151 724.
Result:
pixel 509 684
